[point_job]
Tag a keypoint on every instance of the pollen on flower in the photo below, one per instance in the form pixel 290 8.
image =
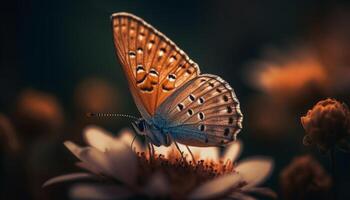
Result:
pixel 183 174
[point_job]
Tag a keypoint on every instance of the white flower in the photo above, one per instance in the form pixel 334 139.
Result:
pixel 122 172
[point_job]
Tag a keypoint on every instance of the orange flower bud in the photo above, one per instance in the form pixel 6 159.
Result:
pixel 327 124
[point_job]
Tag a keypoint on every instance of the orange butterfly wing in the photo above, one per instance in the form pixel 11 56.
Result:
pixel 154 66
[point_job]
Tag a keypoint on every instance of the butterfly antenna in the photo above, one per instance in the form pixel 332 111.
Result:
pixel 111 115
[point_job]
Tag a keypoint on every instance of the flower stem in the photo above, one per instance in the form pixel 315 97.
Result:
pixel 334 173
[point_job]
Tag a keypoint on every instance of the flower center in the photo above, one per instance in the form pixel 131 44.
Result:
pixel 182 175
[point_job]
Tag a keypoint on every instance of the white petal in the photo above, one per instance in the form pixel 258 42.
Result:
pixel 157 186
pixel 84 154
pixel 241 196
pixel 101 192
pixel 205 153
pixel 216 187
pixel 72 147
pixel 118 162
pixel 124 162
pixel 75 149
pixel 97 160
pixel 88 167
pixel 98 138
pixel 127 136
pixel 233 151
pixel 163 150
pixel 263 191
pixel 120 155
pixel 255 170
pixel 68 177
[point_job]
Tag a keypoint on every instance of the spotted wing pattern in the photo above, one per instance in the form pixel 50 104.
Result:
pixel 154 66
pixel 203 112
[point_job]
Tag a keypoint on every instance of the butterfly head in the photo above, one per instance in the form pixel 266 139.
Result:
pixel 151 132
pixel 140 126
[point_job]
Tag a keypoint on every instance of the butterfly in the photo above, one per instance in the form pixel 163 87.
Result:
pixel 176 102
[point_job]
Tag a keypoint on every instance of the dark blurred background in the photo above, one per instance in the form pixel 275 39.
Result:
pixel 58 62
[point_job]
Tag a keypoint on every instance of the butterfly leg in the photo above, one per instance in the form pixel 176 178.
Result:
pixel 150 149
pixel 189 150
pixel 132 143
pixel 153 151
pixel 181 152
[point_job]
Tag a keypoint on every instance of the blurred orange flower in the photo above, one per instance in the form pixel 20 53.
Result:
pixel 290 74
pixel 327 124
pixel 8 136
pixel 96 95
pixel 305 179
pixel 38 113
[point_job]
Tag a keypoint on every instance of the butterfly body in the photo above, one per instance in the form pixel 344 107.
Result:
pixel 175 101
pixel 162 133
pixel 157 135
